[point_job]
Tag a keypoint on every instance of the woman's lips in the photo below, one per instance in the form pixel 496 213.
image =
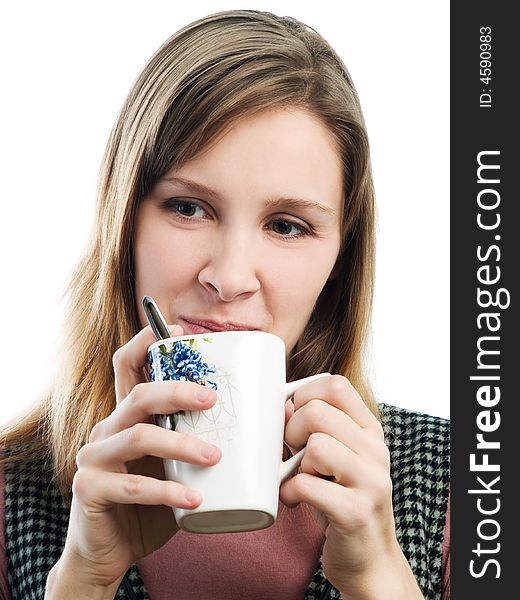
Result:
pixel 193 325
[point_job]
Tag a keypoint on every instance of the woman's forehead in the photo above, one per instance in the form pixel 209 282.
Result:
pixel 281 152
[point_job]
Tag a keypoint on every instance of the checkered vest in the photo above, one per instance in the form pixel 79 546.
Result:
pixel 36 517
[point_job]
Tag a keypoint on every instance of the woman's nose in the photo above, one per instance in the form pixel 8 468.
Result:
pixel 230 271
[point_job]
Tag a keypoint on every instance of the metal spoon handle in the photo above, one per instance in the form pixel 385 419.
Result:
pixel 155 318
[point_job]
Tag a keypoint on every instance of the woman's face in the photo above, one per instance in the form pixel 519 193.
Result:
pixel 245 235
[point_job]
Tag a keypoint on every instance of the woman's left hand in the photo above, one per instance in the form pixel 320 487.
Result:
pixel 345 476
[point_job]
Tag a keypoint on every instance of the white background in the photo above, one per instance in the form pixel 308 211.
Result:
pixel 66 68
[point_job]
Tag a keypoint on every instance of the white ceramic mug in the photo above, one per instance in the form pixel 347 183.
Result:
pixel 247 370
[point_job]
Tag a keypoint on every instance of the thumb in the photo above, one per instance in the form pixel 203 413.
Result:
pixel 289 410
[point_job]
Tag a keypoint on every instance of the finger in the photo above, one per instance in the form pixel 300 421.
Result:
pixel 100 490
pixel 347 508
pixel 343 507
pixel 289 410
pixel 129 361
pixel 142 440
pixel 316 416
pixel 319 417
pixel 326 457
pixel 154 398
pixel 337 391
pixel 336 502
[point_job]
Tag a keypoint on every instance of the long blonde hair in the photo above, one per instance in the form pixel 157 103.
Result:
pixel 200 81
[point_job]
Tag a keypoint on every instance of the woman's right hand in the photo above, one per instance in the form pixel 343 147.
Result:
pixel 121 507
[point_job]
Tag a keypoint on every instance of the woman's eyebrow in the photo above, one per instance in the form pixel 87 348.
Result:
pixel 273 203
pixel 300 203
pixel 194 186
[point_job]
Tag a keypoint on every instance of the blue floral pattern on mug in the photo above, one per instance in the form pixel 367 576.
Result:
pixel 182 362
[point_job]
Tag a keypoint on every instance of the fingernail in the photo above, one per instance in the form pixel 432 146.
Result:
pixel 208 451
pixel 175 330
pixel 203 394
pixel 192 497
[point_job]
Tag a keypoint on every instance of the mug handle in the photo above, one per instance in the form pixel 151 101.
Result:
pixel 287 467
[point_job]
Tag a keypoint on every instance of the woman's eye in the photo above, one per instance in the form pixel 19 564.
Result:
pixel 289 229
pixel 186 209
pixel 189 209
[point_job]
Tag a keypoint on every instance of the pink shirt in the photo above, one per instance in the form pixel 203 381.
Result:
pixel 234 566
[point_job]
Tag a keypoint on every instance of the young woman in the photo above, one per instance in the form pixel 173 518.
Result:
pixel 236 190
